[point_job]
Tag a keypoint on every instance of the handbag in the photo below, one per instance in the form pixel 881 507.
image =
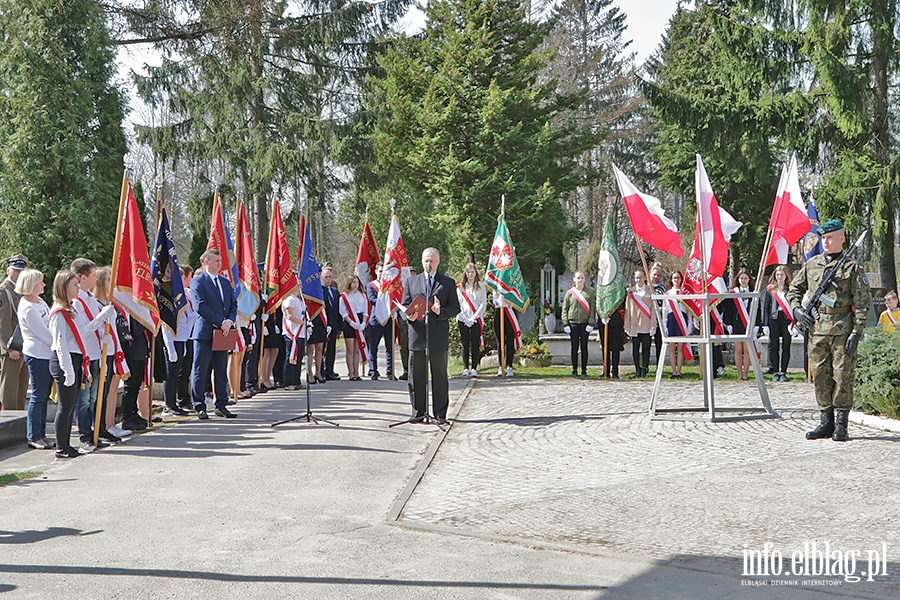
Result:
pixel 15 341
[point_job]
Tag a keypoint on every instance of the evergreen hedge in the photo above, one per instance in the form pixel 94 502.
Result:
pixel 877 387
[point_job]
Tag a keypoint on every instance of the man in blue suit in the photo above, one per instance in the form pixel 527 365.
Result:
pixel 217 309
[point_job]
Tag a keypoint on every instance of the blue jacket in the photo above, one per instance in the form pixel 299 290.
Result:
pixel 210 308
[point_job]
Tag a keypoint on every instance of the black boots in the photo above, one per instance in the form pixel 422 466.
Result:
pixel 826 426
pixel 841 417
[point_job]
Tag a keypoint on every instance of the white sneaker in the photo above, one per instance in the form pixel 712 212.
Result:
pixel 509 372
pixel 465 373
pixel 473 373
pixel 119 432
pixel 500 372
pixel 86 448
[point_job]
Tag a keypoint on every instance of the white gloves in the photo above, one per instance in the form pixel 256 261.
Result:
pixel 765 330
pixel 729 329
pixel 265 317
pixel 605 320
pixel 358 326
pixel 567 329
pixel 328 330
pixel 107 312
pixel 69 376
pixel 653 331
pixel 589 329
pixel 629 334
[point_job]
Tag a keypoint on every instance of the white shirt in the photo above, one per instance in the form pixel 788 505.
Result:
pixel 64 342
pixel 296 305
pixel 183 327
pixel 358 304
pixel 91 334
pixel 479 299
pixel 34 322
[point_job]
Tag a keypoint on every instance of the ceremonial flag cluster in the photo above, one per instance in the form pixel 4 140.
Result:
pixel 245 264
pixel 310 280
pixel 789 221
pixel 132 285
pixel 280 279
pixel 367 257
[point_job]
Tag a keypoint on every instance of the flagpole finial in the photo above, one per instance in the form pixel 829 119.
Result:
pixel 502 204
pixel 392 202
pixel 367 214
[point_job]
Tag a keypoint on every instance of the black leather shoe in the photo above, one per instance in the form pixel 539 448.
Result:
pixel 175 411
pixel 403 377
pixel 333 377
pixel 374 376
pixel 224 412
pixel 202 415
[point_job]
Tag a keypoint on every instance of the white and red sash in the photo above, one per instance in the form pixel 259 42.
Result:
pixel 890 316
pixel 745 319
pixel 85 361
pixel 782 302
pixel 90 316
pixel 718 327
pixel 640 304
pixel 581 299
pixel 360 338
pixel 295 347
pixel 682 327
pixel 479 320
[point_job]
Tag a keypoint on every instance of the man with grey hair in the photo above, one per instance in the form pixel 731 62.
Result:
pixel 442 305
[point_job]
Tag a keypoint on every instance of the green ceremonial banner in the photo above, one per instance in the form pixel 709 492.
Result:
pixel 610 287
pixel 503 273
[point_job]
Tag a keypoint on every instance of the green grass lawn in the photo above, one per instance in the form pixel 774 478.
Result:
pixel 13 477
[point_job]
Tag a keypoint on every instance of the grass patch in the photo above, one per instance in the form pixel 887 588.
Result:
pixel 13 477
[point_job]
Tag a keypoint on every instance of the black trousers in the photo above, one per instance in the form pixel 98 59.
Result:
pixel 66 396
pixel 779 343
pixel 640 351
pixel 579 341
pixel 330 350
pixel 440 385
pixel 509 339
pixel 184 373
pixel 471 344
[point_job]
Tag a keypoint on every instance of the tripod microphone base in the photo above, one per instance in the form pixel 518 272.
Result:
pixel 309 418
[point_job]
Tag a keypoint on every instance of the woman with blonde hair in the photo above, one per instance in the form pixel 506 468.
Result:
pixel 472 296
pixel 34 323
pixel 778 321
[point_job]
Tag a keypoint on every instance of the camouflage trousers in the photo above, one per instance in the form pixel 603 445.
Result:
pixel 833 370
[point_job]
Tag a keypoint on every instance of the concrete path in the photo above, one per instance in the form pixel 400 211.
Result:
pixel 541 489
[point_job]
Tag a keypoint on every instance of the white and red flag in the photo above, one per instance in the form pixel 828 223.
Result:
pixel 366 257
pixel 714 225
pixel 789 221
pixel 647 218
pixel 394 274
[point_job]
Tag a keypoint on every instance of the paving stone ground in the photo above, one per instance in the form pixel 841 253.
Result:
pixel 581 464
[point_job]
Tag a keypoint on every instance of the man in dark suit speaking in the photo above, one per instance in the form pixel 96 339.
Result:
pixel 442 305
pixel 214 301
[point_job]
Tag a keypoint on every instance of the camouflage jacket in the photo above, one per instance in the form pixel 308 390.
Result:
pixel 852 292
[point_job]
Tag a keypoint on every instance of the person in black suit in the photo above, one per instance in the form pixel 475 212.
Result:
pixel 443 306
pixel 335 322
pixel 214 301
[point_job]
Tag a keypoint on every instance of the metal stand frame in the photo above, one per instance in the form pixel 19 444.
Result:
pixel 308 416
pixel 706 341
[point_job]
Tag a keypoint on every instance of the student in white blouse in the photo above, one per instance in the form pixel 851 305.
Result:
pixel 354 307
pixel 472 296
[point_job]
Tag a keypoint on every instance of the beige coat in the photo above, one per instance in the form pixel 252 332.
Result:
pixel 635 320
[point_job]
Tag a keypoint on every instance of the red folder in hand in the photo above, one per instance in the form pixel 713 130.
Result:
pixel 222 341
pixel 416 309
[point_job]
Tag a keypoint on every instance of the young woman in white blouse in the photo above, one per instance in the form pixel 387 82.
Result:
pixel 67 364
pixel 472 297
pixel 354 307
pixel 34 322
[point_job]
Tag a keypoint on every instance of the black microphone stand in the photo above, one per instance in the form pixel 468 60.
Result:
pixel 308 416
pixel 427 419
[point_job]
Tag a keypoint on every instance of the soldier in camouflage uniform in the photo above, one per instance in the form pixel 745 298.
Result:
pixel 834 337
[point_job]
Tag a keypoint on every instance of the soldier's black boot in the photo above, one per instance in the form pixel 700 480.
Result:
pixel 826 426
pixel 841 417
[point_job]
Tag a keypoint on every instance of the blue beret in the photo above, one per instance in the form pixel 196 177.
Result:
pixel 829 226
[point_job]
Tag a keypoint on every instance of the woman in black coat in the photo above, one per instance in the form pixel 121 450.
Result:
pixel 616 339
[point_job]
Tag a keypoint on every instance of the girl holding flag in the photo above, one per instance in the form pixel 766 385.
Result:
pixel 678 324
pixel 640 322
pixel 578 318
pixel 778 321
pixel 354 308
pixel 472 297
pixel 737 319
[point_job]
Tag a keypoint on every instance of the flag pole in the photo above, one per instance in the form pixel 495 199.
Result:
pixel 262 336
pixel 237 360
pixel 106 328
pixel 393 202
pixel 150 377
pixel 605 349
pixel 502 308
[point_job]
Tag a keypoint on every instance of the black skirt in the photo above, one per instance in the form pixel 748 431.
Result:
pixel 318 335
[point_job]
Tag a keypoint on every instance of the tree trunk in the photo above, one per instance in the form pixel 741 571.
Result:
pixel 882 38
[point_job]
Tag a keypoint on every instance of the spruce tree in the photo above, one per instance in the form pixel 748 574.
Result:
pixel 61 138
pixel 466 115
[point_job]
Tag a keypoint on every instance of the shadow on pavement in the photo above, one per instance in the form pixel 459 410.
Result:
pixel 32 536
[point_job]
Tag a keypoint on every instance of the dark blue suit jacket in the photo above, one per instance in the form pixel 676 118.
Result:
pixel 209 305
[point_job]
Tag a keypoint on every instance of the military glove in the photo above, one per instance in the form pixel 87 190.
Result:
pixel 803 319
pixel 851 343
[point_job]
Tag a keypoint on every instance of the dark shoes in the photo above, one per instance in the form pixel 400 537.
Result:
pixel 841 418
pixel 442 420
pixel 404 377
pixel 373 376
pixel 66 453
pixel 333 377
pixel 105 435
pixel 176 411
pixel 134 422
pixel 826 426
pixel 224 412
pixel 202 415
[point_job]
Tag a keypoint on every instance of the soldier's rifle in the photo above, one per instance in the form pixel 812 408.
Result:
pixel 818 298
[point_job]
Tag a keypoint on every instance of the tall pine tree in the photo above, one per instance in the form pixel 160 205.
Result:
pixel 466 117
pixel 61 139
